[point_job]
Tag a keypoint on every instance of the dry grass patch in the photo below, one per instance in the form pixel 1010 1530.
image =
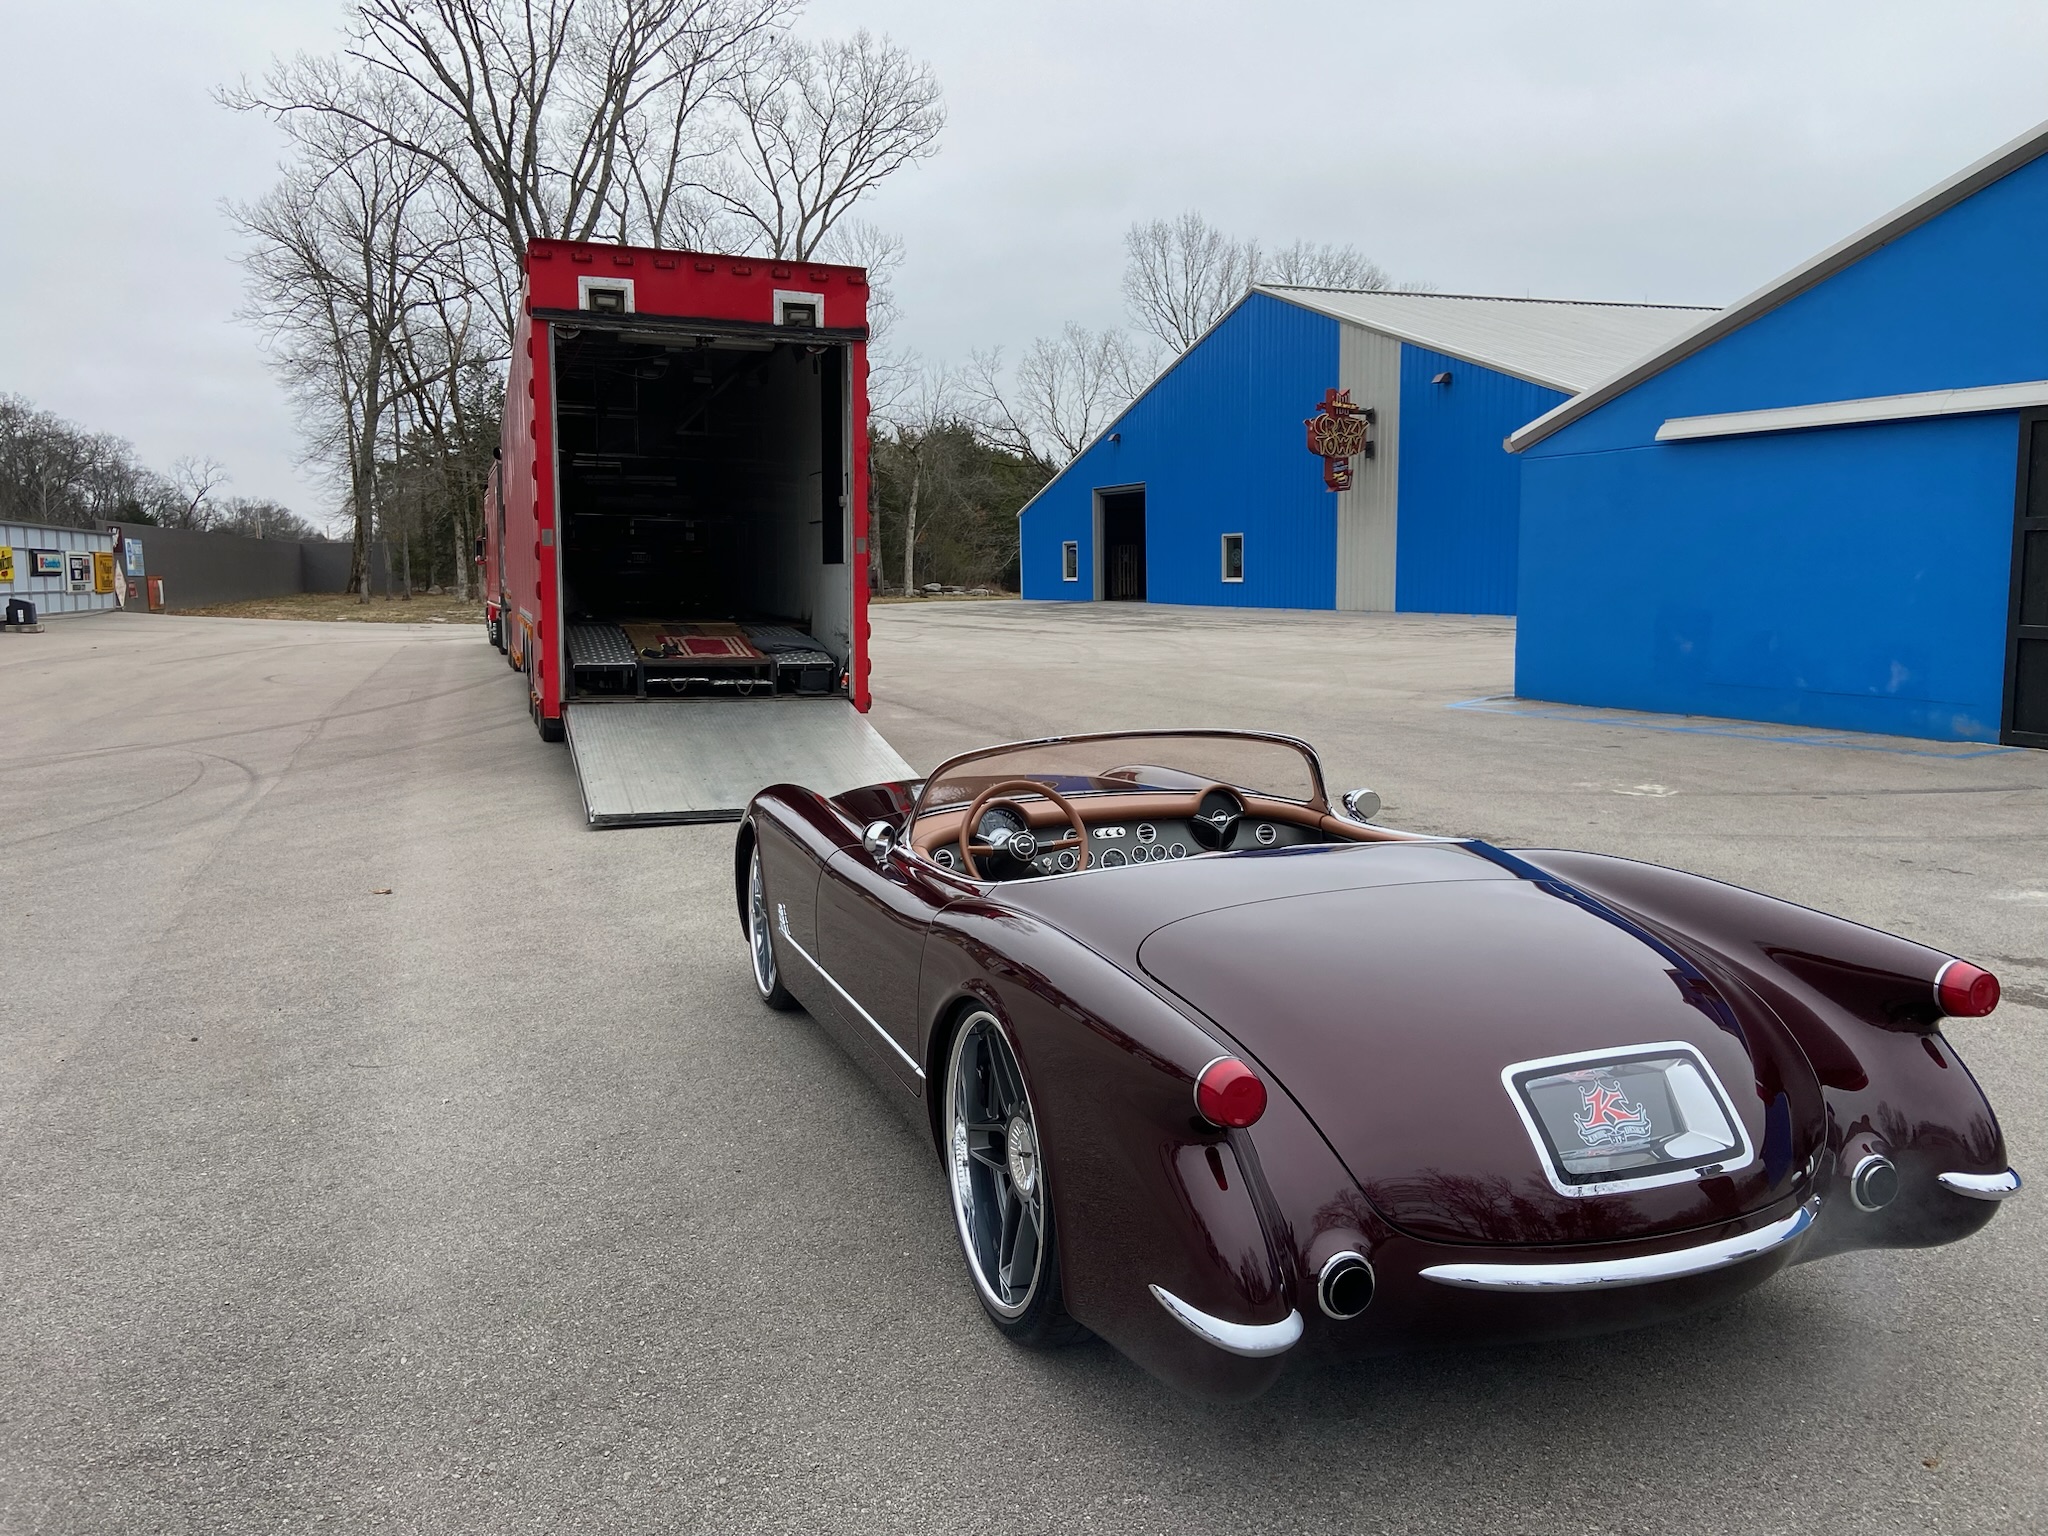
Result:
pixel 423 608
pixel 944 597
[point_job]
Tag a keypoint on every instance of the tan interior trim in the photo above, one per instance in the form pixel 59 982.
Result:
pixel 938 828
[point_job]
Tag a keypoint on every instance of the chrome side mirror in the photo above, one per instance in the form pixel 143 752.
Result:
pixel 879 840
pixel 1361 804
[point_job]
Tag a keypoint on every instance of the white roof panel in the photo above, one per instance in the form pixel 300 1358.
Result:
pixel 1566 344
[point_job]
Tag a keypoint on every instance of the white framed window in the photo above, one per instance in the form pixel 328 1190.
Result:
pixel 1070 561
pixel 1233 557
pixel 606 295
pixel 803 310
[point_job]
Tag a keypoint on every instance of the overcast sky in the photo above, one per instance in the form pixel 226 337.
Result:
pixel 1641 150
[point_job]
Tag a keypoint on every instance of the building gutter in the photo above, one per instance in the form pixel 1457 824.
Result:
pixel 1846 413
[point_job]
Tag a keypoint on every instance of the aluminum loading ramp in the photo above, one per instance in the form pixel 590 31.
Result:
pixel 655 761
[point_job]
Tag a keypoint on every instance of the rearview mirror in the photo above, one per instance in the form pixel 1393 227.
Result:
pixel 880 841
pixel 1362 804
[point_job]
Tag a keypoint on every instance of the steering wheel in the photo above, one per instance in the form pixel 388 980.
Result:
pixel 972 820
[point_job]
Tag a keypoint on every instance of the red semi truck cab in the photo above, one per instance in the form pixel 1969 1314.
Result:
pixel 676 526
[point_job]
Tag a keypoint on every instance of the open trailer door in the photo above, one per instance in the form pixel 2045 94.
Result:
pixel 655 761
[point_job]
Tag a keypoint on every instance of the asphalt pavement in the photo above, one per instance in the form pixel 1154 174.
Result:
pixel 381 1149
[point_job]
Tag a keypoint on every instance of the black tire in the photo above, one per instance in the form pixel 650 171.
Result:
pixel 985 1101
pixel 766 964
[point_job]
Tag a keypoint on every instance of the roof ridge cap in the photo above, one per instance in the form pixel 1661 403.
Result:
pixel 1491 298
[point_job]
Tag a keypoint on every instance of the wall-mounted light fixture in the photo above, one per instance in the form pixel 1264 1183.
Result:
pixel 1116 437
pixel 1442 378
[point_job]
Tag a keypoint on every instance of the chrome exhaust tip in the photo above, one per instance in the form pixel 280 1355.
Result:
pixel 1873 1182
pixel 1345 1287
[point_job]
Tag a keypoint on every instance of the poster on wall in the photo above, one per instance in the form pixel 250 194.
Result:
pixel 103 572
pixel 7 563
pixel 46 562
pixel 133 549
pixel 78 570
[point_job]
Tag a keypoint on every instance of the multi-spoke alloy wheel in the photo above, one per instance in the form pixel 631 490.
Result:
pixel 995 1166
pixel 761 938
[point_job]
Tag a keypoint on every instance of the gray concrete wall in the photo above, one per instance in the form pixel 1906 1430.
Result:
pixel 199 570
pixel 324 567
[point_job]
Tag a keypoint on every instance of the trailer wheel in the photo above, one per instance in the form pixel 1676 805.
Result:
pixel 550 730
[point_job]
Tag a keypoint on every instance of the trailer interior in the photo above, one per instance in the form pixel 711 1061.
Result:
pixel 703 513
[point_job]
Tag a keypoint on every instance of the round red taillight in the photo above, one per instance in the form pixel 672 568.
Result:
pixel 1965 991
pixel 1229 1093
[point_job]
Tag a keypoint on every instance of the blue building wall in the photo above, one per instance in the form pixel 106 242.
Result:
pixel 1854 578
pixel 1459 489
pixel 1217 445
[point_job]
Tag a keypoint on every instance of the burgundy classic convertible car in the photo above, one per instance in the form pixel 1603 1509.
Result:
pixel 1224 1073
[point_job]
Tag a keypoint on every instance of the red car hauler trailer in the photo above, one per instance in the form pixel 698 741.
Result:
pixel 676 543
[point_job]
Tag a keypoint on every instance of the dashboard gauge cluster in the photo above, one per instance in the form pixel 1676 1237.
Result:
pixel 1219 825
pixel 1148 846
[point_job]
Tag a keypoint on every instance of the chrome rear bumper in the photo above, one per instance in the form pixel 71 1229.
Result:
pixel 1981 1186
pixel 1644 1269
pixel 1253 1340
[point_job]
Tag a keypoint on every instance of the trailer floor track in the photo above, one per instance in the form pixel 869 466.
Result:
pixel 650 762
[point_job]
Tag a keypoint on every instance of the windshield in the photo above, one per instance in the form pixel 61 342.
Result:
pixel 1275 767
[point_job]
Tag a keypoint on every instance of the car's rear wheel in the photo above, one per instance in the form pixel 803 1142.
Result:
pixel 761 939
pixel 995 1169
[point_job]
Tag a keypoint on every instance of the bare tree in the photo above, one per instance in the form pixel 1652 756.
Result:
pixel 568 119
pixel 195 479
pixel 440 356
pixel 54 473
pixel 1182 275
pixel 891 371
pixel 1065 391
pixel 343 250
pixel 257 517
pixel 1304 265
pixel 919 421
pixel 820 126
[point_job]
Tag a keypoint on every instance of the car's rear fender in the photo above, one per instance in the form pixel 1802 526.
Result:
pixel 1860 1003
pixel 1146 1194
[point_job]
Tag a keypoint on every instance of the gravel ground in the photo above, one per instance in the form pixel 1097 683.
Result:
pixel 496 1204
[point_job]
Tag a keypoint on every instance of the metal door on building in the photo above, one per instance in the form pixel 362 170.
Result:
pixel 2026 660
pixel 1123 546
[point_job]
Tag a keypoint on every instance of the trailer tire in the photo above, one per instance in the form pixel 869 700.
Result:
pixel 550 730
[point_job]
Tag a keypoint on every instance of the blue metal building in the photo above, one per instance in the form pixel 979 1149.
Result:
pixel 1205 491
pixel 1828 504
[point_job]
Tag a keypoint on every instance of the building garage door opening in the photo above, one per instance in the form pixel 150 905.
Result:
pixel 1123 546
pixel 2026 668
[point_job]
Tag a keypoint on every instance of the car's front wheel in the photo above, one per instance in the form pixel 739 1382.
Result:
pixel 761 939
pixel 995 1169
